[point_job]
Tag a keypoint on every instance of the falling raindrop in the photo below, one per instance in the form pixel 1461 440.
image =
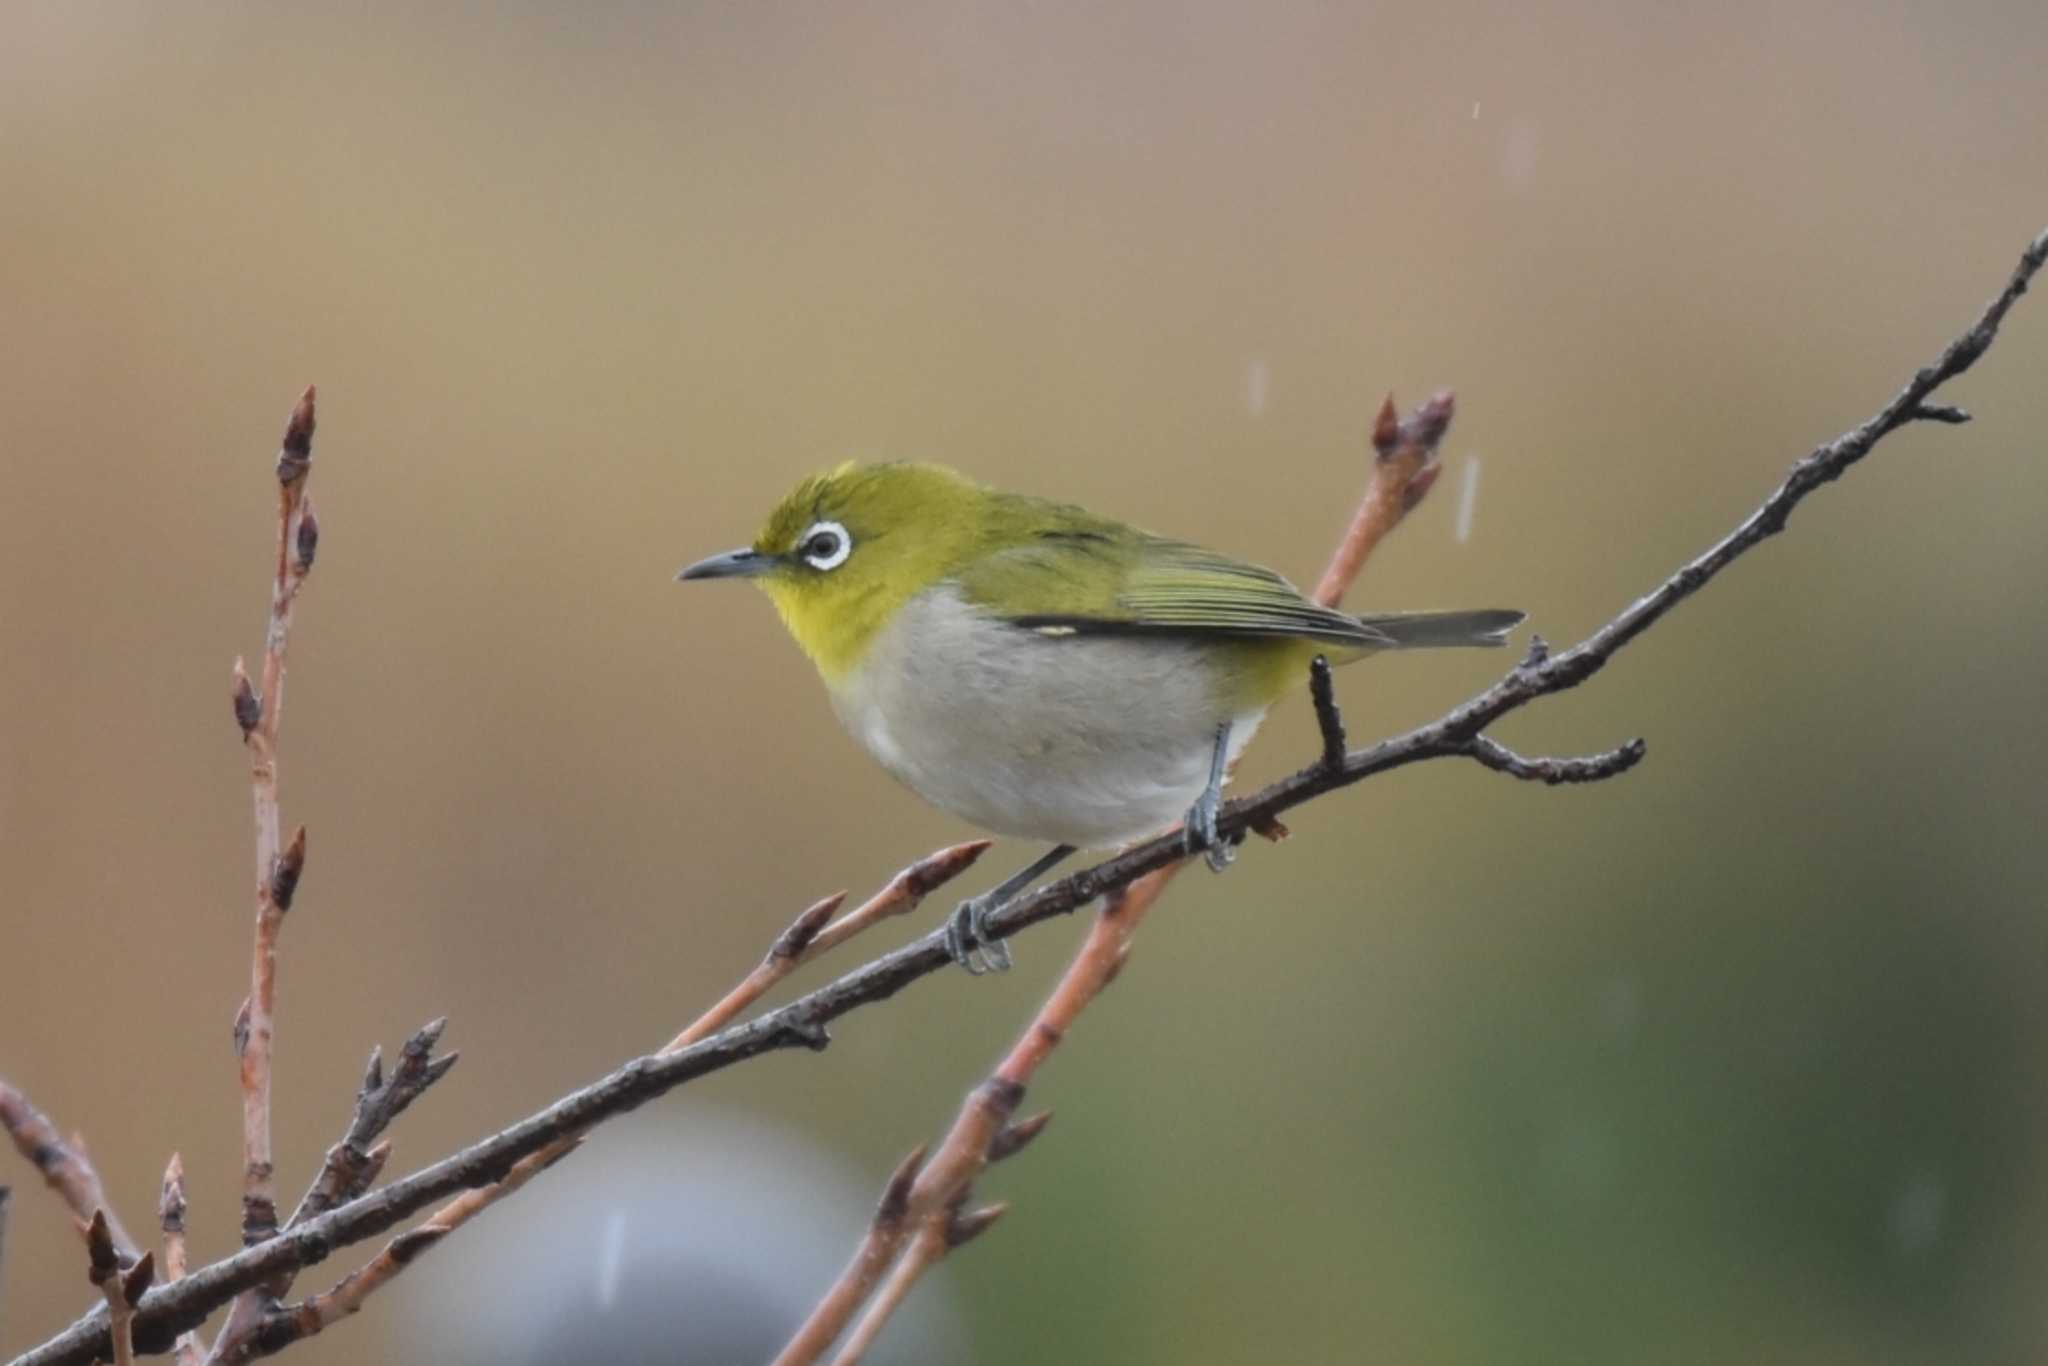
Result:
pixel 1257 383
pixel 1468 498
pixel 611 1259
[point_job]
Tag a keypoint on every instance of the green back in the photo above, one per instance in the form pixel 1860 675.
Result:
pixel 1081 573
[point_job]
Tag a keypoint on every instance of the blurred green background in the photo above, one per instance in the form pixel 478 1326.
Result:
pixel 1738 1058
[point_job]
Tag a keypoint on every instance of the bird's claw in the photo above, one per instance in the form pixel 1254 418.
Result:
pixel 968 939
pixel 1198 833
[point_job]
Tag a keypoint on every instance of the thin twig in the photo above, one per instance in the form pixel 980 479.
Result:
pixel 66 1167
pixel 277 865
pixel 259 711
pixel 815 932
pixel 121 1291
pixel 799 1024
pixel 938 1237
pixel 1590 769
pixel 170 1213
pixel 1404 471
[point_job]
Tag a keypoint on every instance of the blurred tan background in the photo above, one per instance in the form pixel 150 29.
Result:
pixel 1738 1058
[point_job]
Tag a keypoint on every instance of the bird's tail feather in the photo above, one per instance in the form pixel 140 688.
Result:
pixel 1435 630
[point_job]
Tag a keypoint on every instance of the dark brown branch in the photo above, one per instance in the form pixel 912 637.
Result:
pixel 1329 721
pixel 170 1309
pixel 1590 769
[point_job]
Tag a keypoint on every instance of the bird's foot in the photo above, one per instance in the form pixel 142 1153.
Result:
pixel 968 938
pixel 1198 832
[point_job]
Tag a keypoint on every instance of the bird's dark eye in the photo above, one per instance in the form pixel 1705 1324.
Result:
pixel 825 546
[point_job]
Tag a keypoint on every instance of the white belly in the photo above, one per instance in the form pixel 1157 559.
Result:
pixel 1090 741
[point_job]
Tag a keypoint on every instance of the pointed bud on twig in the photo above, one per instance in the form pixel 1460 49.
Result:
pixel 936 870
pixel 1539 651
pixel 140 1277
pixel 248 709
pixel 307 542
pixel 99 1248
pixel 372 1168
pixel 1014 1138
pixel 1386 428
pixel 241 1031
pixel 170 1207
pixel 373 1075
pixel 296 457
pixel 1419 487
pixel 804 928
pixel 896 1195
pixel 284 878
pixel 964 1228
pixel 1433 419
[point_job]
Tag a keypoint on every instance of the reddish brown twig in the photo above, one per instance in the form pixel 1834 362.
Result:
pixel 934 1241
pixel 282 1327
pixel 815 932
pixel 928 1211
pixel 259 710
pixel 1404 470
pixel 277 865
pixel 66 1167
pixel 170 1212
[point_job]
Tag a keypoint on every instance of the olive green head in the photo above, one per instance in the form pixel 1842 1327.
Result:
pixel 846 548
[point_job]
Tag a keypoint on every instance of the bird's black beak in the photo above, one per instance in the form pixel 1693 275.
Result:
pixel 733 564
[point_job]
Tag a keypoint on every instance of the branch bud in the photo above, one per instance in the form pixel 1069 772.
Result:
pixel 140 1277
pixel 296 455
pixel 1386 429
pixel 306 543
pixel 284 878
pixel 248 707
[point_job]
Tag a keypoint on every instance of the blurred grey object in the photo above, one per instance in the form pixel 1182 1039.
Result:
pixel 676 1237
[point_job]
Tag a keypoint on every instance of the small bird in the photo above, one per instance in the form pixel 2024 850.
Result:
pixel 1040 671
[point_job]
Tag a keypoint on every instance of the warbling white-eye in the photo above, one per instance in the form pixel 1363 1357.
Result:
pixel 1038 670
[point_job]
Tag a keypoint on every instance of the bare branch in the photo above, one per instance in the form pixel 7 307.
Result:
pixel 171 1217
pixel 169 1309
pixel 815 932
pixel 927 1214
pixel 120 1292
pixel 279 866
pixel 1590 769
pixel 1329 721
pixel 66 1168
pixel 1404 471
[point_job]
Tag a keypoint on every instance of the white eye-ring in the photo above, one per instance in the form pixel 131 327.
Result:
pixel 825 546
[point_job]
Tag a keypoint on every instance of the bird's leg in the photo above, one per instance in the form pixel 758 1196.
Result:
pixel 967 936
pixel 1198 831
